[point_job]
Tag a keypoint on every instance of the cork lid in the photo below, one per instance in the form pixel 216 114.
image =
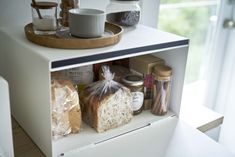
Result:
pixel 162 70
pixel 44 5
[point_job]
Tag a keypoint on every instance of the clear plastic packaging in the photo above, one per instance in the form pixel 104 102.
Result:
pixel 66 112
pixel 123 12
pixel 161 90
pixel 119 72
pixel 106 104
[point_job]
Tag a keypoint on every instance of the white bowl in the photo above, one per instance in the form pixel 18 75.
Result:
pixel 88 23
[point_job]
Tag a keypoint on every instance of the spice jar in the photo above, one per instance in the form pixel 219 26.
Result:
pixel 161 90
pixel 65 6
pixel 123 12
pixel 135 84
pixel 44 16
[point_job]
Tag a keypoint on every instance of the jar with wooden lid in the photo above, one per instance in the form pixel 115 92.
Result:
pixel 136 85
pixel 162 89
pixel 44 17
pixel 65 6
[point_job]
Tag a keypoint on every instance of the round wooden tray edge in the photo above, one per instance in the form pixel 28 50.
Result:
pixel 55 42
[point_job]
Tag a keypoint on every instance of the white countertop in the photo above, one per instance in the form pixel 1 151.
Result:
pixel 194 113
pixel 201 117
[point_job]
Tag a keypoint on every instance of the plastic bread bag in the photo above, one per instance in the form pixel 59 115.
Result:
pixel 106 104
pixel 119 71
pixel 66 112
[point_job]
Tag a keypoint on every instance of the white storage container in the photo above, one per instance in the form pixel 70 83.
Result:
pixel 28 66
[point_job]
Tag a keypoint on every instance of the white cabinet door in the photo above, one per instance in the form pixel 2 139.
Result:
pixel 6 143
pixel 169 138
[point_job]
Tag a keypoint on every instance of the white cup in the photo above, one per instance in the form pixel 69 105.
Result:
pixel 87 23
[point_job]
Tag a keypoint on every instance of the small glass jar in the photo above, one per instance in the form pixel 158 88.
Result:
pixel 136 84
pixel 123 12
pixel 44 17
pixel 65 6
pixel 161 90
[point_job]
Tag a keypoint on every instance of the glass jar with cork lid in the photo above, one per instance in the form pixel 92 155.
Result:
pixel 65 6
pixel 136 85
pixel 44 17
pixel 161 90
pixel 123 12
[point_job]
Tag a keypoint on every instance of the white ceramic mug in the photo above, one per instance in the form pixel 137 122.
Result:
pixel 87 23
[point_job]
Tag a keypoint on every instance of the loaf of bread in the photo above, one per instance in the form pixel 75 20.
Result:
pixel 66 112
pixel 107 111
pixel 106 104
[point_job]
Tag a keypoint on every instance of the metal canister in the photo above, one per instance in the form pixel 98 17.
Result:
pixel 136 84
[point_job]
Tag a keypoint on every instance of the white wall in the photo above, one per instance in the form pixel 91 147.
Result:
pixel 150 10
pixel 18 12
pixel 97 4
pixel 13 12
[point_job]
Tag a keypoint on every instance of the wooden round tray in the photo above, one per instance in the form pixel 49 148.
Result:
pixel 56 41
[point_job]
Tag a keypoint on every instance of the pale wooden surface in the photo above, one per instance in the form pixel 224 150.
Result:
pixel 23 145
pixel 75 43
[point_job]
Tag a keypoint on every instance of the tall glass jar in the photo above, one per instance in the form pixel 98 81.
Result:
pixel 65 6
pixel 44 17
pixel 161 90
pixel 123 12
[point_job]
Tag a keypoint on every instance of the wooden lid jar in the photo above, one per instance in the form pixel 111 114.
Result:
pixel 44 5
pixel 65 6
pixel 162 72
pixel 161 89
pixel 44 17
